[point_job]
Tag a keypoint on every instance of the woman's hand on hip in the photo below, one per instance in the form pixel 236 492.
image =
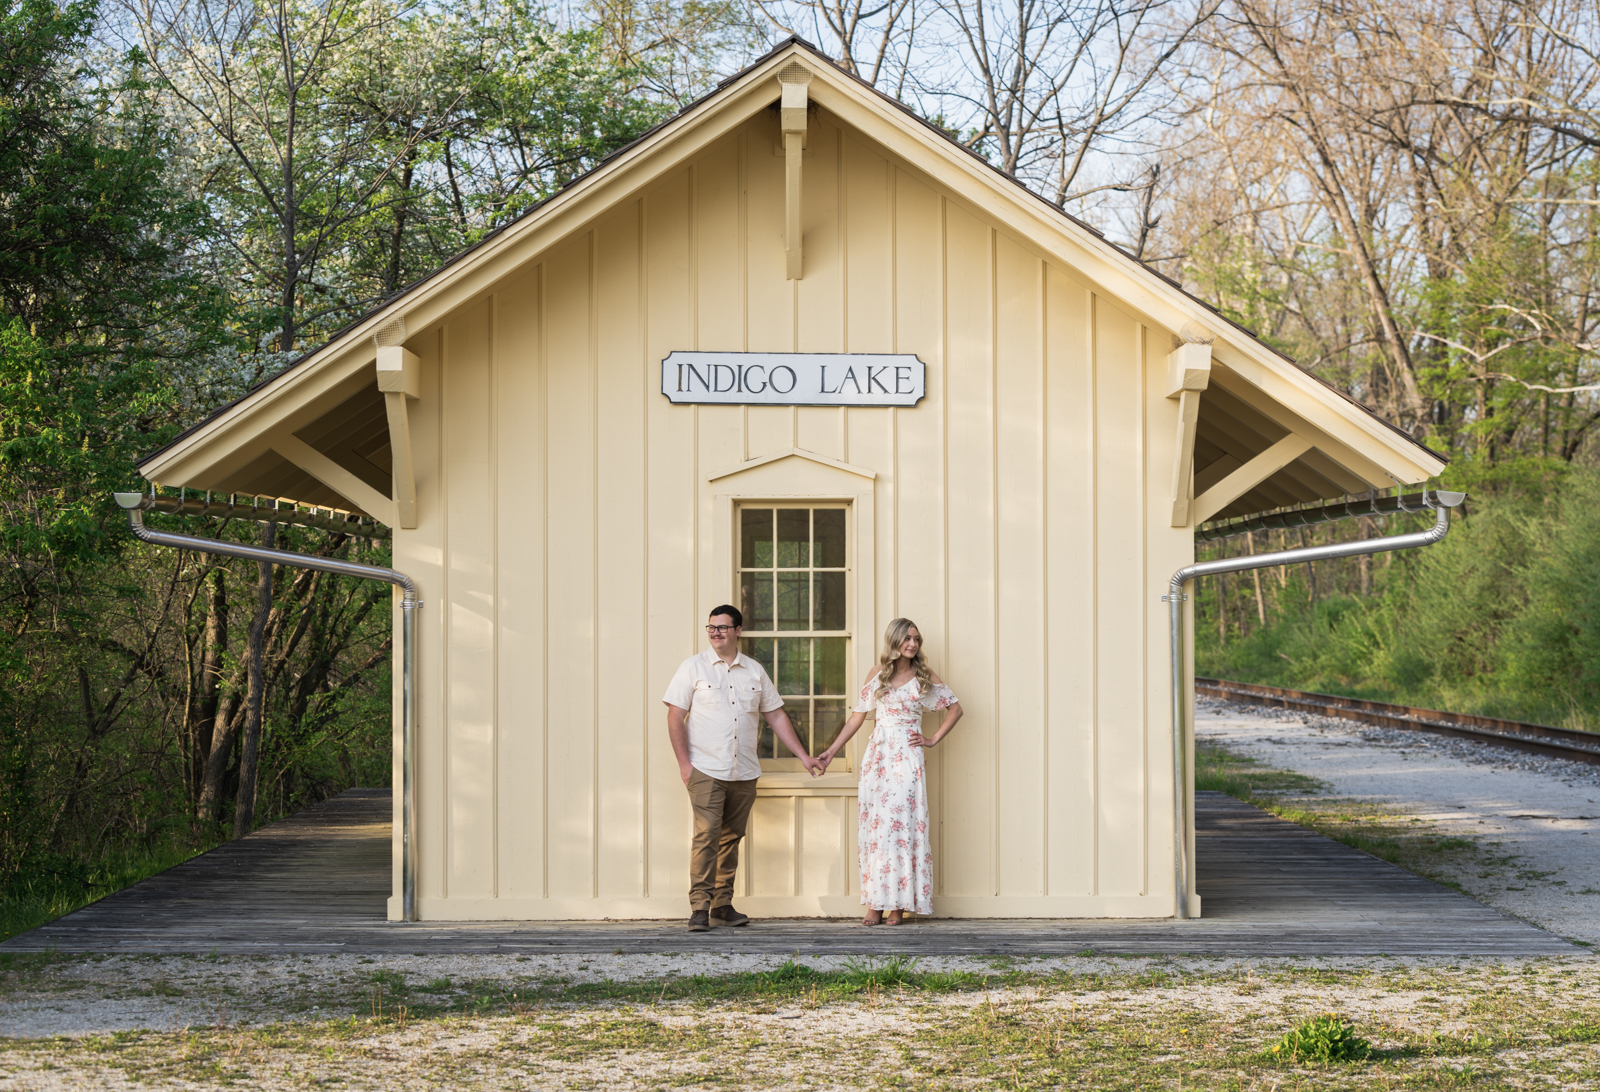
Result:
pixel 917 739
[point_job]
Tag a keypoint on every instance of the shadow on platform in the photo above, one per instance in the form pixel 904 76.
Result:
pixel 318 880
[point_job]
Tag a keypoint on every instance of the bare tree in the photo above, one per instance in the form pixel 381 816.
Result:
pixel 256 79
pixel 871 38
pixel 1402 192
pixel 1040 86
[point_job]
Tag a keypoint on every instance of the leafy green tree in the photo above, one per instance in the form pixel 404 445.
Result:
pixel 347 147
pixel 96 309
pixel 94 302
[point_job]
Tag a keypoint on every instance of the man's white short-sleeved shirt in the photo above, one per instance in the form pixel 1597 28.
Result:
pixel 724 703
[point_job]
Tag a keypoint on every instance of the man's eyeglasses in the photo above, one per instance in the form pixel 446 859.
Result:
pixel 718 631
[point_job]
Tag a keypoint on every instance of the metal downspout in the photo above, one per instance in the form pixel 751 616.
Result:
pixel 409 604
pixel 1175 598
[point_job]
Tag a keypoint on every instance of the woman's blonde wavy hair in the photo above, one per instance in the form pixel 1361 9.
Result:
pixel 893 637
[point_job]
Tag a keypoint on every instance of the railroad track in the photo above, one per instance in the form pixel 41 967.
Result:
pixel 1538 738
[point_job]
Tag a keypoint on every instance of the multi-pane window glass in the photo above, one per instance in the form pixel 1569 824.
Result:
pixel 792 586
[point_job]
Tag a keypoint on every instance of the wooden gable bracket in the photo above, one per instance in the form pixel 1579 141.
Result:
pixel 1248 476
pixel 1188 374
pixel 400 378
pixel 334 476
pixel 794 79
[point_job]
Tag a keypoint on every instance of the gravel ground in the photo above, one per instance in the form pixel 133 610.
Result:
pixel 1048 1023
pixel 103 995
pixel 1536 818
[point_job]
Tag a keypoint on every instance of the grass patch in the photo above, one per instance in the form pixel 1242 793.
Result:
pixel 1220 770
pixel 793 982
pixel 1399 839
pixel 1576 1033
pixel 45 890
pixel 888 1025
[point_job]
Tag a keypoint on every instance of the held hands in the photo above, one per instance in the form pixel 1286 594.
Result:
pixel 822 763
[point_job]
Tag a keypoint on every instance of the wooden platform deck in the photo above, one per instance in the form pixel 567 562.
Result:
pixel 317 881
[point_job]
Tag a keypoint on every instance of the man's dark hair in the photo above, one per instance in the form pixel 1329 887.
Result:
pixel 731 611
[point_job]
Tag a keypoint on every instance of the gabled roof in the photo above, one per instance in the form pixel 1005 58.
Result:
pixel 299 395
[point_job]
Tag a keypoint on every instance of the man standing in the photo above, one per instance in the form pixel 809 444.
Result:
pixel 714 708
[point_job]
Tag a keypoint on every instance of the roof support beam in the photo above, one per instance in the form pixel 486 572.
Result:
pixel 794 79
pixel 335 477
pixel 400 379
pixel 1248 476
pixel 1188 373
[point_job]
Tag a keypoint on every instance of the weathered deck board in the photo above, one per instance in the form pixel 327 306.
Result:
pixel 317 882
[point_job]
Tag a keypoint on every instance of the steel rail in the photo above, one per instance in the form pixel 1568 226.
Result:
pixel 1515 734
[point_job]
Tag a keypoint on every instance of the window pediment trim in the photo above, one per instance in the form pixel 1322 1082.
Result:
pixel 792 453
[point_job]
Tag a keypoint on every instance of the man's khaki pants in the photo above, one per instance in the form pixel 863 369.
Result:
pixel 721 811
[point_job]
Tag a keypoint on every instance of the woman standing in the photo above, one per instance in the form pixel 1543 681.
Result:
pixel 896 854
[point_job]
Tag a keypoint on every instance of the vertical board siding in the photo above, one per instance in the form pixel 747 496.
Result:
pixel 622 547
pixel 574 547
pixel 970 636
pixel 521 643
pixel 868 219
pixel 1071 604
pixel 672 491
pixel 571 578
pixel 420 552
pixel 919 565
pixel 1119 568
pixel 1167 553
pixel 469 607
pixel 819 293
pixel 1020 636
pixel 869 440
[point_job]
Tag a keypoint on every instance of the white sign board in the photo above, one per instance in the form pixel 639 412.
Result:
pixel 793 379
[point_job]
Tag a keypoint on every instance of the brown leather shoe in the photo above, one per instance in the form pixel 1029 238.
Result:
pixel 698 922
pixel 727 915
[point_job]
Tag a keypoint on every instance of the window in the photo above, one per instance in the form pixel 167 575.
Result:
pixel 794 581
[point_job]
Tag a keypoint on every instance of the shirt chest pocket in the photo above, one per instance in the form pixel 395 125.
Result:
pixel 707 693
pixel 749 697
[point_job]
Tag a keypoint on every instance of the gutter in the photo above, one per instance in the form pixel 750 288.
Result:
pixel 1182 778
pixel 136 503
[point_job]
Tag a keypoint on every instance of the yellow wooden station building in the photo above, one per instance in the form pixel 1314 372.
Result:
pixel 797 350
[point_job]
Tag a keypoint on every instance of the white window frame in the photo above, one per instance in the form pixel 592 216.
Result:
pixel 784 761
pixel 789 478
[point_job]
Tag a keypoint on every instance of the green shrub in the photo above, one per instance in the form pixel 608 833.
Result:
pixel 1325 1038
pixel 1502 618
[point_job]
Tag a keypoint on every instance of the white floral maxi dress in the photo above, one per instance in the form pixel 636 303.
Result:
pixel 896 853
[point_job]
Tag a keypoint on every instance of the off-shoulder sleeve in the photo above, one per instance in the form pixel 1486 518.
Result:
pixel 939 697
pixel 865 703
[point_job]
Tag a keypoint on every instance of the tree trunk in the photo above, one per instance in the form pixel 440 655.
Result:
pixel 398 235
pixel 244 811
pixel 216 643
